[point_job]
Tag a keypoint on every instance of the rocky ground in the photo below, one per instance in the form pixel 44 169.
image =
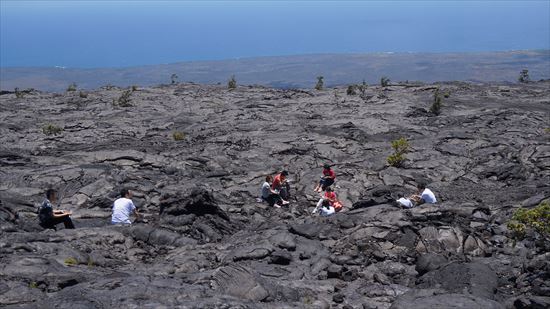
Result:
pixel 215 246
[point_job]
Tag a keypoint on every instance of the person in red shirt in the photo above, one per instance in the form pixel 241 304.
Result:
pixel 280 184
pixel 326 180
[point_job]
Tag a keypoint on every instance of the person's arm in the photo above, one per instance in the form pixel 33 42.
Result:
pixel 136 213
pixel 61 213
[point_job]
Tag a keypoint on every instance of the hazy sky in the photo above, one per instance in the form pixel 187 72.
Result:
pixel 126 33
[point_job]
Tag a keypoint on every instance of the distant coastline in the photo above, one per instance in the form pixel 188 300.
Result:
pixel 296 71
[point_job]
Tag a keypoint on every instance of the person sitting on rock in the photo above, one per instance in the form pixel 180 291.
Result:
pixel 123 208
pixel 423 195
pixel 326 209
pixel 271 196
pixel 327 179
pixel 48 217
pixel 329 197
pixel 280 184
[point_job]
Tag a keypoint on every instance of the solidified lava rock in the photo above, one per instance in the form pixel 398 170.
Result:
pixel 207 242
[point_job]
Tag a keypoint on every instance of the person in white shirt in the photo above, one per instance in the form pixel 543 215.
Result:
pixel 123 208
pixel 271 196
pixel 423 195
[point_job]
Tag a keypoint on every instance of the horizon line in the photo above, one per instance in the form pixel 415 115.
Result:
pixel 276 56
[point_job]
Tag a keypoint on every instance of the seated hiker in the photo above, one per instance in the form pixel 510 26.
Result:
pixel 280 184
pixel 330 198
pixel 423 195
pixel 48 217
pixel 271 196
pixel 326 209
pixel 327 179
pixel 123 207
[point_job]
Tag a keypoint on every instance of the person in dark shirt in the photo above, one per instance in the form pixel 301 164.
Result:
pixel 49 217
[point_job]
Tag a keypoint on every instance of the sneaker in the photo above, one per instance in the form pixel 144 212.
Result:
pixel 277 206
pixel 286 202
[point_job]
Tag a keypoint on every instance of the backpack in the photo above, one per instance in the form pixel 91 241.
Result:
pixel 337 206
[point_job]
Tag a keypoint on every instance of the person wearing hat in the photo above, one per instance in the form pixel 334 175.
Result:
pixel 327 179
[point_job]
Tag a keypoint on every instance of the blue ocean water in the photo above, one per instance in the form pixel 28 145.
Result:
pixel 126 33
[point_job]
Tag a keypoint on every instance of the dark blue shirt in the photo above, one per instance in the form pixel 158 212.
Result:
pixel 45 212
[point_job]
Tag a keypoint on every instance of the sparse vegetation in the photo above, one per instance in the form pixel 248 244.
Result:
pixel 436 105
pixel 33 285
pixel 524 76
pixel 320 83
pixel 178 136
pixel 384 81
pixel 173 79
pixel 351 90
pixel 134 88
pixel 71 261
pixel 51 129
pixel 400 148
pixel 18 93
pixel 232 82
pixel 71 87
pixel 124 100
pixel 536 219
pixel 363 89
pixel 547 130
pixel 83 94
pixel 447 94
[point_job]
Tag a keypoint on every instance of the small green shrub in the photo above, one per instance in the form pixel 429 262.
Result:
pixel 447 94
pixel 537 219
pixel 396 159
pixel 124 100
pixel 232 82
pixel 72 87
pixel 436 105
pixel 18 93
pixel 50 129
pixel 320 83
pixel 33 285
pixel 71 261
pixel 173 79
pixel 400 147
pixel 83 94
pixel 351 90
pixel 308 300
pixel 384 81
pixel 547 130
pixel 524 76
pixel 178 136
pixel 363 89
pixel 134 88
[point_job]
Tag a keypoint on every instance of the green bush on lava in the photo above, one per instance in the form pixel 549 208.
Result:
pixel 536 219
pixel 400 148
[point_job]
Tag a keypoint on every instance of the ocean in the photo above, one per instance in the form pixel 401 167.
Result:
pixel 92 34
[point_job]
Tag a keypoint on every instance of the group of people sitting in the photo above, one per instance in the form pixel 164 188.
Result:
pixel 275 191
pixel 48 218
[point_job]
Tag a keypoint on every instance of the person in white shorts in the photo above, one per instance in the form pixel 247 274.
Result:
pixel 123 208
